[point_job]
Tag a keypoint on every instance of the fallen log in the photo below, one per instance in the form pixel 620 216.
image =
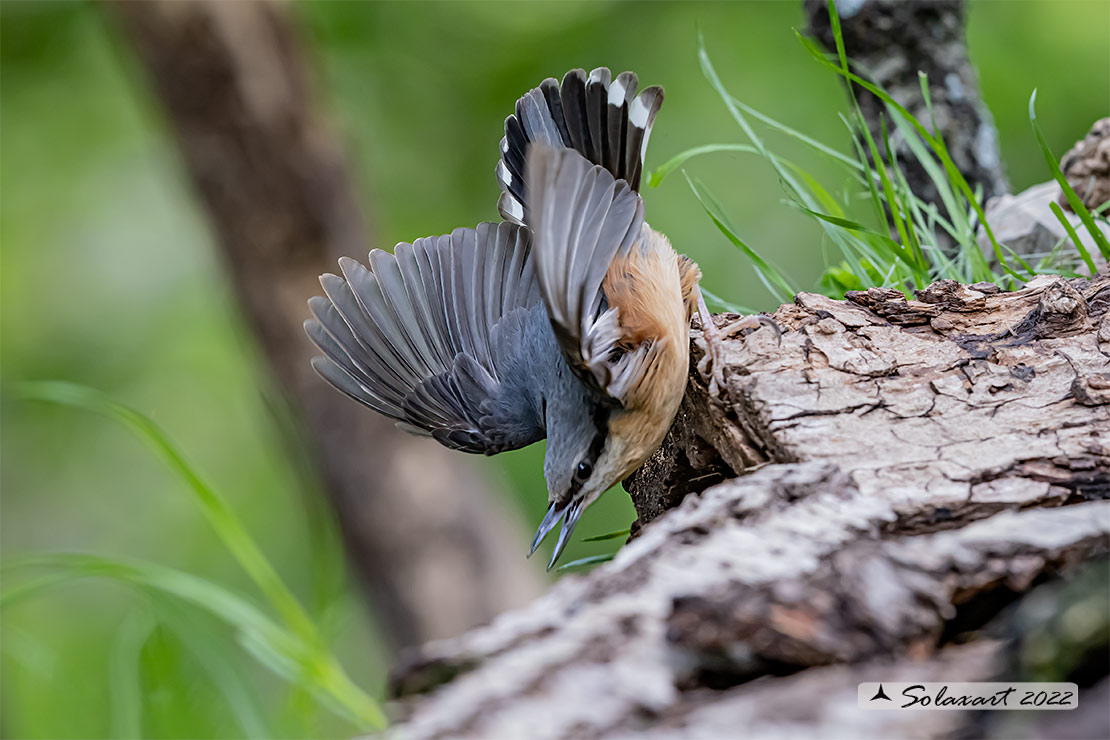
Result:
pixel 885 479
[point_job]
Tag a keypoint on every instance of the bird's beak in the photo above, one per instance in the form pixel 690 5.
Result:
pixel 550 519
pixel 573 511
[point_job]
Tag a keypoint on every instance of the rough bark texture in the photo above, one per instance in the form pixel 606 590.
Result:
pixel 434 545
pixel 891 40
pixel 898 472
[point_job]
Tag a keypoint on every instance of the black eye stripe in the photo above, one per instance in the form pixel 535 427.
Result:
pixel 601 424
pixel 600 418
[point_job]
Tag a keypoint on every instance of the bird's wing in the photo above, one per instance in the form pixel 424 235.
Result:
pixel 583 219
pixel 427 335
pixel 602 119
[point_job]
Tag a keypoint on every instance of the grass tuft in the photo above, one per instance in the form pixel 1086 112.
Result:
pixel 293 649
pixel 914 242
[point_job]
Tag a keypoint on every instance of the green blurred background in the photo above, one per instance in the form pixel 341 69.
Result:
pixel 109 278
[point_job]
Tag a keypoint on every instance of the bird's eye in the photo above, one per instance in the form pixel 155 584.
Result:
pixel 584 470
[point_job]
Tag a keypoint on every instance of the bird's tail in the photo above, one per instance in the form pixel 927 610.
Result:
pixel 600 117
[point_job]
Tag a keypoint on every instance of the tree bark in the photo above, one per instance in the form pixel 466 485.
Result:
pixel 891 41
pixel 438 551
pixel 895 473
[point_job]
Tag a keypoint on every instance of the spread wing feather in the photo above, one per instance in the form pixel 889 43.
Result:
pixel 424 335
pixel 582 219
pixel 601 118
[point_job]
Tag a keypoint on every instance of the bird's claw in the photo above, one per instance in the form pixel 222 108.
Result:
pixel 752 322
pixel 711 366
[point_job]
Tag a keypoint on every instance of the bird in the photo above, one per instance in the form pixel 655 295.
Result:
pixel 569 320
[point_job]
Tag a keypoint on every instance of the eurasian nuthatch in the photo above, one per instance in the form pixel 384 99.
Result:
pixel 570 320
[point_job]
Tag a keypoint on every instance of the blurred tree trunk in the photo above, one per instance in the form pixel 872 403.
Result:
pixel 890 41
pixel 438 552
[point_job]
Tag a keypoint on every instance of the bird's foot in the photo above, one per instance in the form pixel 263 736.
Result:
pixel 711 367
pixel 752 322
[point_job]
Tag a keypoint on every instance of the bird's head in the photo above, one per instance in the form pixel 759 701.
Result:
pixel 583 460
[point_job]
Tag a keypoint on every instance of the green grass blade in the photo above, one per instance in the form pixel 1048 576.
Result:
pixel 711 75
pixel 916 224
pixel 895 249
pixel 928 162
pixel 227 606
pixel 893 207
pixel 660 173
pixel 616 534
pixel 209 649
pixel 903 197
pixel 331 683
pixel 591 560
pixel 1059 213
pixel 827 201
pixel 280 650
pixel 853 249
pixel 31 653
pixel 11 595
pixel 873 190
pixel 856 252
pixel 125 690
pixel 958 224
pixel 218 512
pixel 712 299
pixel 937 145
pixel 778 286
pixel 795 191
pixel 798 135
pixel 834 24
pixel 969 244
pixel 1052 258
pixel 1069 193
pixel 836 281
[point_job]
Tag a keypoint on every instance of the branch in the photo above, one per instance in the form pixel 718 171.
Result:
pixel 920 464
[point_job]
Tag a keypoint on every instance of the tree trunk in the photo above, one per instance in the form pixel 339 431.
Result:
pixel 437 549
pixel 898 472
pixel 891 41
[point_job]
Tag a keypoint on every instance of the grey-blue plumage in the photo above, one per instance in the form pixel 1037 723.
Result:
pixel 475 338
pixel 438 335
pixel 492 338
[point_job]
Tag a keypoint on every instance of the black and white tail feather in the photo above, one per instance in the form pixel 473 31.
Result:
pixel 601 118
pixel 426 335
